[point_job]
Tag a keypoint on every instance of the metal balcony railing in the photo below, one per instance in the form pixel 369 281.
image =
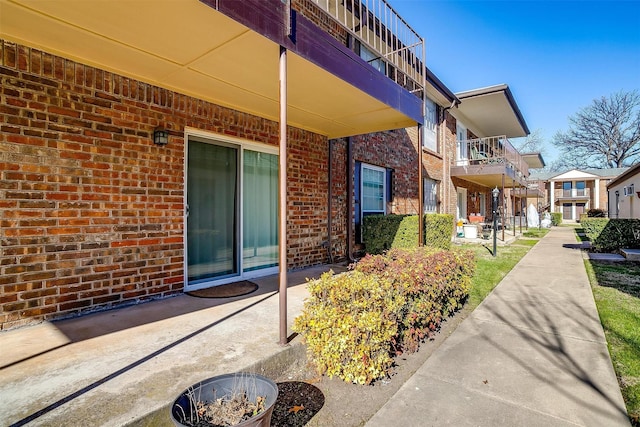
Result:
pixel 391 45
pixel 492 150
pixel 574 193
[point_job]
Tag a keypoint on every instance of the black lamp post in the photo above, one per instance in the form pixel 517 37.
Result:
pixel 495 192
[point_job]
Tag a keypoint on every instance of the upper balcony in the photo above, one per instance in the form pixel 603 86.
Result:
pixel 490 161
pixel 228 52
pixel 573 194
pixel 534 188
pixel 382 38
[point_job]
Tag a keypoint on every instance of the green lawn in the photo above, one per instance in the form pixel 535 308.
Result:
pixel 536 232
pixel 616 290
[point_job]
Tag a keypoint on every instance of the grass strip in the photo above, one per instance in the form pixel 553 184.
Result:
pixel 491 270
pixel 616 290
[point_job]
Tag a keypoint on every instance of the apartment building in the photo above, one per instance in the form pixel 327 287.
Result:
pixel 576 191
pixel 218 141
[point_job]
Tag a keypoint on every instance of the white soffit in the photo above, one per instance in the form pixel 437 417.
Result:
pixel 190 48
pixel 491 114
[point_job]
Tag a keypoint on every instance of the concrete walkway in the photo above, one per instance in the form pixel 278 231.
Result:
pixel 532 354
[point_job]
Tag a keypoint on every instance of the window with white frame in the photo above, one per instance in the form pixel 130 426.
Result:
pixel 372 58
pixel 462 152
pixel 431 125
pixel 430 195
pixel 373 181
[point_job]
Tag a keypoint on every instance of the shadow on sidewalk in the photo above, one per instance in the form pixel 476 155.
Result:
pixel 547 337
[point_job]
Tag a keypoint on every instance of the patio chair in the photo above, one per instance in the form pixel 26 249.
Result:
pixel 478 156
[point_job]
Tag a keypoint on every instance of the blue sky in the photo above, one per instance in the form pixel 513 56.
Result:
pixel 556 56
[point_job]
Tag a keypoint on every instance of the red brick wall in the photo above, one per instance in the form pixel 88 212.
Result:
pixel 449 154
pixel 396 150
pixel 307 189
pixel 91 211
pixel 339 199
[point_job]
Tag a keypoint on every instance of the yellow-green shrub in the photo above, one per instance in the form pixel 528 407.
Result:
pixel 348 323
pixel 435 283
pixel 354 322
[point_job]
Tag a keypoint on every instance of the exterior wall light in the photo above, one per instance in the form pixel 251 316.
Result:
pixel 160 136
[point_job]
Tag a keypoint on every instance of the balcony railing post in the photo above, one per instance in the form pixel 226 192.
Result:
pixel 377 25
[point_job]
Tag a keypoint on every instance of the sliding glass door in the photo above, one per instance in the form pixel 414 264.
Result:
pixel 232 226
pixel 260 210
pixel 212 236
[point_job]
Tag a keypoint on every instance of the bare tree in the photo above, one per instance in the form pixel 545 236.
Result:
pixel 606 134
pixel 533 143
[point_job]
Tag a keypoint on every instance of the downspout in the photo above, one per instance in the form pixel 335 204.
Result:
pixel 282 208
pixel 420 189
pixel 329 198
pixel 420 143
pixel 350 199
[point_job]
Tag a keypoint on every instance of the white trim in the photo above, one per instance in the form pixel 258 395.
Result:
pixel 242 145
pixel 432 140
pixel 384 188
pixel 253 145
pixel 462 156
pixel 461 203
pixel 575 175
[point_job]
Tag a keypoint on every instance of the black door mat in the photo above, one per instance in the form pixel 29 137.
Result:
pixel 229 290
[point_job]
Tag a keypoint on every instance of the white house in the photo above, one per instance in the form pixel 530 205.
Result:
pixel 576 191
pixel 623 192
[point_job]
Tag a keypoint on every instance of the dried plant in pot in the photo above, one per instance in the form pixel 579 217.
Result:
pixel 241 399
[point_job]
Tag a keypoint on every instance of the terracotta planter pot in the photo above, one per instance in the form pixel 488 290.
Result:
pixel 183 411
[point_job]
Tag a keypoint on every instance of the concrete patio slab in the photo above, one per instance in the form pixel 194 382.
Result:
pixel 606 257
pixel 115 367
pixel 631 254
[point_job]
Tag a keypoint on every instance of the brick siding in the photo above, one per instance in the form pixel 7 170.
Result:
pixel 398 151
pixel 91 211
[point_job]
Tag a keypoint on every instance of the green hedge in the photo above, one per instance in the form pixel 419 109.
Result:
pixel 438 230
pixel 596 213
pixel 556 218
pixel 608 235
pixel 354 323
pixel 383 232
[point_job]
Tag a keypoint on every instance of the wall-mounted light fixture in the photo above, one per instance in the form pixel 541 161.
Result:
pixel 160 136
pixel 474 197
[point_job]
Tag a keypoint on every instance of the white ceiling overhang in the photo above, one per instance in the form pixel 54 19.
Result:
pixel 533 160
pixel 491 111
pixel 189 47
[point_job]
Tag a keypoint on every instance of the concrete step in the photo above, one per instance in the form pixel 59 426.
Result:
pixel 631 254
